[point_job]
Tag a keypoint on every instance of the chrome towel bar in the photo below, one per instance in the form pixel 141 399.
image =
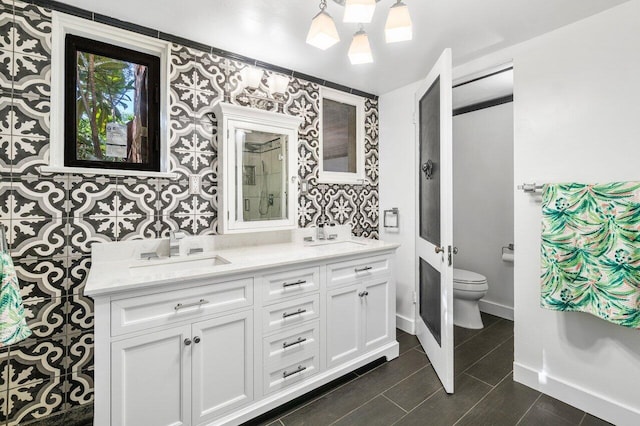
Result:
pixel 530 187
pixel 4 245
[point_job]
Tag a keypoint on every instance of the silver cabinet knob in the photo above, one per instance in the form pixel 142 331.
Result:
pixel 439 249
pixel 363 293
pixel 196 340
pixel 187 342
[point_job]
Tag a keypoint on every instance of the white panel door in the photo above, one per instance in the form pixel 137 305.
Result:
pixel 222 365
pixel 434 239
pixel 344 329
pixel 376 308
pixel 151 382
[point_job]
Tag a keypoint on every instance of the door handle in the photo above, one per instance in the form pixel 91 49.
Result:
pixel 439 249
pixel 452 251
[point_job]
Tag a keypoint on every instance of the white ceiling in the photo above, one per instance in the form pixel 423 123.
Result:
pixel 274 31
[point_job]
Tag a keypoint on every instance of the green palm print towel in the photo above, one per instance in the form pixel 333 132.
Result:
pixel 591 250
pixel 13 326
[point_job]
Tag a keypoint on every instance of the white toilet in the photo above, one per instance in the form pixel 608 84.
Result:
pixel 468 288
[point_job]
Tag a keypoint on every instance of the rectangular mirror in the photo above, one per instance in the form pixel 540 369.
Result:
pixel 259 161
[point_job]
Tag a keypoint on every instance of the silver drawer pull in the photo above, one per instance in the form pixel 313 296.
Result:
pixel 299 282
pixel 286 345
pixel 300 369
pixel 298 312
pixel 366 268
pixel 189 305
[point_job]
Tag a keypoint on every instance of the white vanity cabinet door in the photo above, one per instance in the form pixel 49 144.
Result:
pixel 151 379
pixel 359 318
pixel 222 365
pixel 376 309
pixel 344 329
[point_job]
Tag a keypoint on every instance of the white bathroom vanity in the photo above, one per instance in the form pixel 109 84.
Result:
pixel 236 329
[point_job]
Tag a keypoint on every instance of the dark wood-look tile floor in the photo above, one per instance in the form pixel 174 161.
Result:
pixel 406 391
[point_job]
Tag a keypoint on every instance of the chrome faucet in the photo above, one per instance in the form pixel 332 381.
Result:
pixel 174 243
pixel 320 232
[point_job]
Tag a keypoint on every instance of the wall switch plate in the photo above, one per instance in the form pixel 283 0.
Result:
pixel 304 187
pixel 194 184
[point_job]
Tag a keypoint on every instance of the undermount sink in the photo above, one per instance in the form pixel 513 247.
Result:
pixel 171 264
pixel 337 243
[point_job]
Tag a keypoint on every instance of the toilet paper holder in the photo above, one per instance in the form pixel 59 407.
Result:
pixel 510 246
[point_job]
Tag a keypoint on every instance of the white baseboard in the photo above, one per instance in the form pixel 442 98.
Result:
pixel 584 399
pixel 497 309
pixel 405 324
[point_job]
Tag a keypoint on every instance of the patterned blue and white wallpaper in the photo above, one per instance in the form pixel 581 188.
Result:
pixel 53 220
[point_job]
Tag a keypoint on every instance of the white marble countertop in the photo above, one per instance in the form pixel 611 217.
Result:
pixel 116 267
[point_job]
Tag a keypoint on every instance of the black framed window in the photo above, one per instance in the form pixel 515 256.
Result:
pixel 112 106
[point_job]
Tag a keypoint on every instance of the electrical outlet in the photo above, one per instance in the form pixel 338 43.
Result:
pixel 194 184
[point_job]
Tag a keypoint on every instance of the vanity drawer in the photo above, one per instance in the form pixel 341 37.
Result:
pixel 278 378
pixel 290 283
pixel 292 312
pixel 287 347
pixel 354 270
pixel 161 309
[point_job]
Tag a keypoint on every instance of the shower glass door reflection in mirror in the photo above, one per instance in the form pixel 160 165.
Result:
pixel 261 176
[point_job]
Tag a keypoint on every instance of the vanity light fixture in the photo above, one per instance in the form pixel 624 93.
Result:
pixel 360 49
pixel 278 84
pixel 398 26
pixel 251 77
pixel 323 33
pixel 259 94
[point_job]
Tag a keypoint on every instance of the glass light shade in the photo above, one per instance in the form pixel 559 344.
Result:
pixel 323 33
pixel 360 49
pixel 251 76
pixel 398 26
pixel 359 11
pixel 278 83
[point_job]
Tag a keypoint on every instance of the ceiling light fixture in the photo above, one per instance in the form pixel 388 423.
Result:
pixel 359 11
pixel 360 49
pixel 323 33
pixel 398 26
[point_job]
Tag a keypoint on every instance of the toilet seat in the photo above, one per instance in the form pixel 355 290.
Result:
pixel 464 280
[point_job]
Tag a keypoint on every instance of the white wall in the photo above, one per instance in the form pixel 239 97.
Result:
pixel 483 200
pixel 577 119
pixel 576 115
pixel 397 189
